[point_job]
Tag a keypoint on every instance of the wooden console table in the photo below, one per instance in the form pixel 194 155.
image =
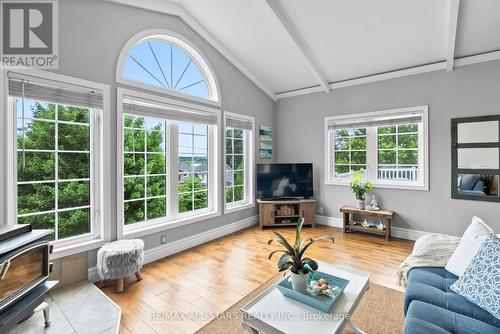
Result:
pixel 286 212
pixel 384 214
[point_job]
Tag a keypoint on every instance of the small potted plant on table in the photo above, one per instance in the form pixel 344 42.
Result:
pixel 293 257
pixel 360 188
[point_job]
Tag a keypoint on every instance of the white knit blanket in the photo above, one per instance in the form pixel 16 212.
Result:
pixel 430 250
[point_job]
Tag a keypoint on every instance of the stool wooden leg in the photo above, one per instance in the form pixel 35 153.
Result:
pixel 138 275
pixel 119 285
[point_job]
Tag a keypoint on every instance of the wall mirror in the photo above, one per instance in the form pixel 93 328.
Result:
pixel 476 158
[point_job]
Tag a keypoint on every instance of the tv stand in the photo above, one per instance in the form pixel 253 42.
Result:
pixel 286 212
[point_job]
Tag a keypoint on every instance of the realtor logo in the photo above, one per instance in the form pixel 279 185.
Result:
pixel 29 33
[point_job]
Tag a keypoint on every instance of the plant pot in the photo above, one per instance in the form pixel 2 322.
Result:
pixel 361 204
pixel 299 282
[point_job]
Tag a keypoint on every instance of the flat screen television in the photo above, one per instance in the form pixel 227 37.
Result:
pixel 285 180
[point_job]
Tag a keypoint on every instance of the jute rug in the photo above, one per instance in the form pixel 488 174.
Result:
pixel 380 311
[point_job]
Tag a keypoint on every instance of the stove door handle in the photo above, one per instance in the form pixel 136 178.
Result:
pixel 4 267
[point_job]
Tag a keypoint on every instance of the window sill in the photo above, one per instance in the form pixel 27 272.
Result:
pixel 67 250
pixel 166 225
pixel 418 187
pixel 238 207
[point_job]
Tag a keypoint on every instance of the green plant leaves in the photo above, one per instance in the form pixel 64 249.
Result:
pixel 311 263
pixel 284 242
pixel 285 262
pixel 312 241
pixel 300 223
pixel 276 251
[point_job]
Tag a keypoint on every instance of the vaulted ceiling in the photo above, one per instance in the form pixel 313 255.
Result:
pixel 291 47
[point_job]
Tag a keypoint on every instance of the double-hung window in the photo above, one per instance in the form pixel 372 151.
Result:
pixel 56 157
pixel 167 162
pixel 390 148
pixel 239 161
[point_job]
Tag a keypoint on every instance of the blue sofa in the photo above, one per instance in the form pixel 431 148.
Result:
pixel 431 307
pixel 471 185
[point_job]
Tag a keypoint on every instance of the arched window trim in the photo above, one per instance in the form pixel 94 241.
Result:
pixel 185 45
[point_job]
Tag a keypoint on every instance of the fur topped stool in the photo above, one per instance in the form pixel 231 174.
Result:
pixel 119 259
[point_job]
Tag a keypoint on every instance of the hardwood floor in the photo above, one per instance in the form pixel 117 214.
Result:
pixel 211 277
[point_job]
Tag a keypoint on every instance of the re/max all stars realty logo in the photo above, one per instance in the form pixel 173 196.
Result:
pixel 29 34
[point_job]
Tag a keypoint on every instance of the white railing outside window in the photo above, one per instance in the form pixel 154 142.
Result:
pixel 391 173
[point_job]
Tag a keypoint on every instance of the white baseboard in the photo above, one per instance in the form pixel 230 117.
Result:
pixel 406 233
pixel 165 250
pixel 397 232
pixel 329 221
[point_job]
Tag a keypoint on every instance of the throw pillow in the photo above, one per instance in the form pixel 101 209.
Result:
pixel 469 244
pixel 480 282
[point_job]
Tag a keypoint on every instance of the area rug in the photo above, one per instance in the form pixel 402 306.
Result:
pixel 380 311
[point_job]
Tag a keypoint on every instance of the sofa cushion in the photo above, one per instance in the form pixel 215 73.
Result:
pixel 479 186
pixel 423 318
pixel 432 285
pixel 480 282
pixel 468 182
pixel 471 240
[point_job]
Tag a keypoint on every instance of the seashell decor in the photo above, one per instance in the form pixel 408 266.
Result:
pixel 320 287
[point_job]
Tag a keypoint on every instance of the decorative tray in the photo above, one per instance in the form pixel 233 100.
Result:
pixel 321 302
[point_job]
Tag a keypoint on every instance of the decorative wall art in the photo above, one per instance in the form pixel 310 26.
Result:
pixel 266 141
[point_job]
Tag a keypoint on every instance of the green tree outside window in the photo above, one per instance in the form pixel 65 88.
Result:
pixel 53 136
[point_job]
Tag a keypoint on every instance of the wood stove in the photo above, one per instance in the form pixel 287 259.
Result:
pixel 24 270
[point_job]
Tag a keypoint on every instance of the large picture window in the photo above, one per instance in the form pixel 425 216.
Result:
pixel 349 154
pixel 57 157
pixel 398 152
pixel 239 150
pixel 193 166
pixel 53 167
pixel 389 147
pixel 145 168
pixel 235 165
pixel 168 162
pixel 159 61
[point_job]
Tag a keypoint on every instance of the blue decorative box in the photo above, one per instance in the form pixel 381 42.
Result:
pixel 320 302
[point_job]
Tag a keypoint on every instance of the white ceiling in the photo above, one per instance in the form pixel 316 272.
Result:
pixel 479 27
pixel 290 45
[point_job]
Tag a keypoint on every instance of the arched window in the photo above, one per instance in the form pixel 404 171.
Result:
pixel 166 63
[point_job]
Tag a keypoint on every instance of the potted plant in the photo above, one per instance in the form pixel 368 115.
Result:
pixel 293 257
pixel 360 188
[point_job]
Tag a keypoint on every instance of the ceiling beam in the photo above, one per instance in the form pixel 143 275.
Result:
pixel 285 20
pixel 452 33
pixel 176 9
pixel 439 66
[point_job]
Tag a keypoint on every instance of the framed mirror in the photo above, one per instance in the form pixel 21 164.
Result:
pixel 475 156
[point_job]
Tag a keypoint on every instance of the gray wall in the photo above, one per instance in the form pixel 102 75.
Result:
pixel 92 34
pixel 467 91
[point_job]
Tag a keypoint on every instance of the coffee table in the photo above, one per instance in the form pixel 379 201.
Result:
pixel 272 313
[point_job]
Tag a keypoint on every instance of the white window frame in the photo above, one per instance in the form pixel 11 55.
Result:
pixel 249 162
pixel 173 218
pixel 422 182
pixel 185 45
pixel 100 146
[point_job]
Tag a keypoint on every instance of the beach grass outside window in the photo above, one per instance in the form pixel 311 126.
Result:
pixel 57 157
pixel 390 147
pixel 239 161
